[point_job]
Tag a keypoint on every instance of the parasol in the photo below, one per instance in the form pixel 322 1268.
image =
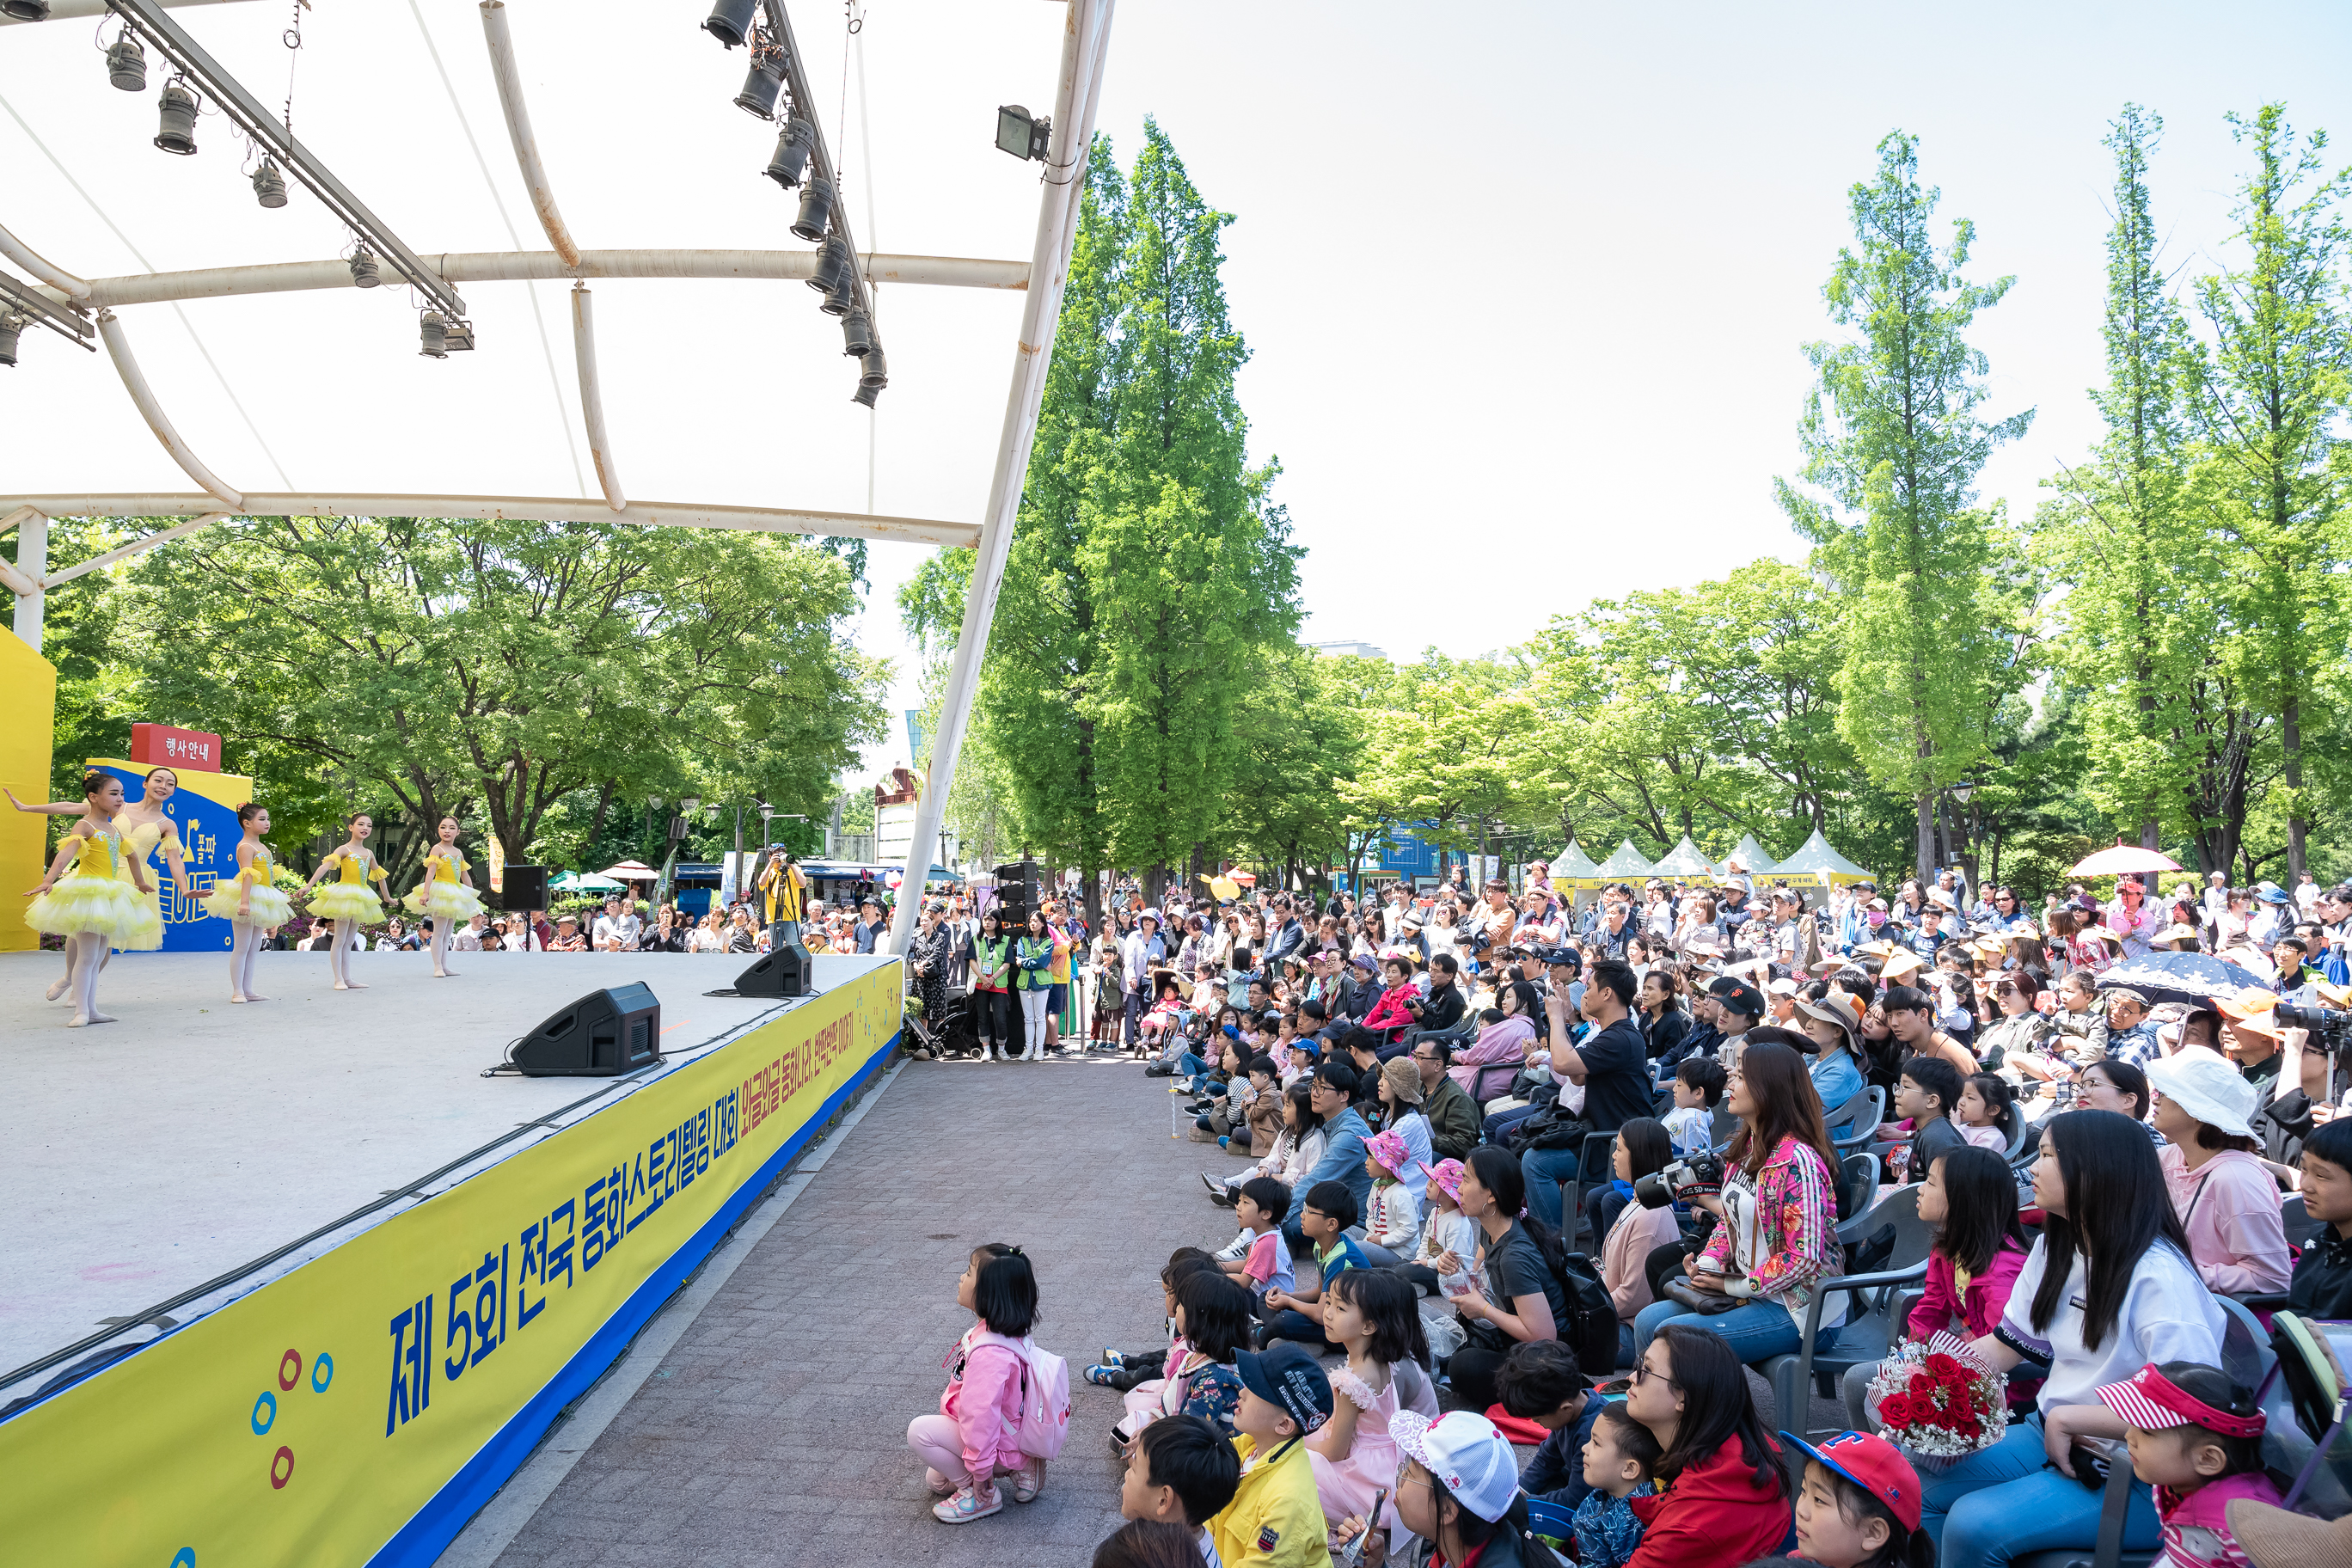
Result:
pixel 2121 859
pixel 631 872
pixel 2196 978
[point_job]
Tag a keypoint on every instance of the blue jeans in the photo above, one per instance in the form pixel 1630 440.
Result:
pixel 1190 1066
pixel 1757 1331
pixel 1624 1343
pixel 1998 1505
pixel 1289 1324
pixel 1544 1169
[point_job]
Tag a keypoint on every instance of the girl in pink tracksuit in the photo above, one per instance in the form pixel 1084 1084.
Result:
pixel 971 1441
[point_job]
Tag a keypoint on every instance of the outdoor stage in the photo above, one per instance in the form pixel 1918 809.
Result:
pixel 291 1281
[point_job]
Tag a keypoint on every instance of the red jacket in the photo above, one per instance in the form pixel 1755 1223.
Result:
pixel 1714 1516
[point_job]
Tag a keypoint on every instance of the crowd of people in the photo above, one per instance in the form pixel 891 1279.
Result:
pixel 1559 1169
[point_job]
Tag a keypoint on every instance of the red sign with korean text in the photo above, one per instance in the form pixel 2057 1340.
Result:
pixel 161 745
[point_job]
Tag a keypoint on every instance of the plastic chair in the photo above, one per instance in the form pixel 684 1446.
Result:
pixel 2017 1137
pixel 1867 1335
pixel 1861 1115
pixel 1726 1125
pixel 1571 1189
pixel 2113 1503
pixel 1857 1180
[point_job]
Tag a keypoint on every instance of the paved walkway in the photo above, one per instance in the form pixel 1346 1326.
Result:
pixel 773 1430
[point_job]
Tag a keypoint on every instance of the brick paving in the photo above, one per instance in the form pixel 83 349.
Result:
pixel 774 1431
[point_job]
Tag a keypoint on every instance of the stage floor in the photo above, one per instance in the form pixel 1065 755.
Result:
pixel 194 1136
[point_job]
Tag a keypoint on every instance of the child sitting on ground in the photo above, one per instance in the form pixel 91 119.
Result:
pixel 1215 1316
pixel 2197 1437
pixel 1264 1119
pixel 1698 1086
pixel 1446 1230
pixel 1540 1380
pixel 1298 1149
pixel 1181 1472
pixel 1275 1519
pixel 1265 1267
pixel 1392 1219
pixel 1124 1369
pixel 1617 1460
pixel 971 1440
pixel 1986 1113
pixel 1296 1312
pixel 1371 1313
pixel 1859 1505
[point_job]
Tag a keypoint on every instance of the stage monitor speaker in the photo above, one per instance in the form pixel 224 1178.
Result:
pixel 605 1032
pixel 781 972
pixel 525 889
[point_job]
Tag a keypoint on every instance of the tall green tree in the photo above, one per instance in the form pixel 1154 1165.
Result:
pixel 2268 390
pixel 1894 438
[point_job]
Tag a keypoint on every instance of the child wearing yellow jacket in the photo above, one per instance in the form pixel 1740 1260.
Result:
pixel 1275 1520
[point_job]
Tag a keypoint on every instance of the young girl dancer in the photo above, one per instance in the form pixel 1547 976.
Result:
pixel 91 908
pixel 970 1440
pixel 249 901
pixel 447 894
pixel 348 900
pixel 143 826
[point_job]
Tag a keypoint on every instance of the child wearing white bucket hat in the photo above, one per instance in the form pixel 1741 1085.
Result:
pixel 2224 1195
pixel 1460 1492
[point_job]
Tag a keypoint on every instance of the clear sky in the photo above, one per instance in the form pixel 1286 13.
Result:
pixel 1524 284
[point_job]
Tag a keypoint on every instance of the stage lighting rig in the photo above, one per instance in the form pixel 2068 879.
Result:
pixel 25 306
pixel 364 270
pixel 126 65
pixel 176 114
pixel 730 22
pixel 791 157
pixel 201 74
pixel 24 11
pixel 442 337
pixel 270 186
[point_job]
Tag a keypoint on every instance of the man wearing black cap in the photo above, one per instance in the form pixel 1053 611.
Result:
pixel 1738 1005
pixel 869 928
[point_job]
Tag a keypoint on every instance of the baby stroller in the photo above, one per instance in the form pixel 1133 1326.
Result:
pixel 956 1032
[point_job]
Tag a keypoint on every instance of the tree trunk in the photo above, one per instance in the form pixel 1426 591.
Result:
pixel 1926 841
pixel 2291 757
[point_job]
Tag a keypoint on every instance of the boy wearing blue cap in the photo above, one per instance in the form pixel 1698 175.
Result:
pixel 1275 1520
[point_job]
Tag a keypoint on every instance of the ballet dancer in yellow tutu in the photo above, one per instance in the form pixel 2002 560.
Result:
pixel 348 900
pixel 84 897
pixel 144 828
pixel 249 901
pixel 447 894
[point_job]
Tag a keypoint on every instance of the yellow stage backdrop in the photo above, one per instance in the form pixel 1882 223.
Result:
pixel 28 705
pixel 361 1409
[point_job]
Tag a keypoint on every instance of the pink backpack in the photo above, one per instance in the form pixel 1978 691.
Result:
pixel 1043 1422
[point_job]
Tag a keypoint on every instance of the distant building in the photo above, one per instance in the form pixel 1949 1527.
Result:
pixel 1348 649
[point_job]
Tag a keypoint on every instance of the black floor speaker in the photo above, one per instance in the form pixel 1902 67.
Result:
pixel 604 1033
pixel 782 971
pixel 521 889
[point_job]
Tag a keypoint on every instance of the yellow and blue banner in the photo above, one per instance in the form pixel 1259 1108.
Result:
pixel 359 1410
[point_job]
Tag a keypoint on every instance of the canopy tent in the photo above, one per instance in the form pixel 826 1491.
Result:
pixel 1683 860
pixel 1753 856
pixel 1820 865
pixel 1572 868
pixel 1624 865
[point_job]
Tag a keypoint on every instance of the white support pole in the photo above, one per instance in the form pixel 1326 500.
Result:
pixel 535 508
pixel 526 146
pixel 32 561
pixel 139 546
pixel 48 271
pixel 1084 46
pixel 75 10
pixel 118 347
pixel 592 396
pixel 540 265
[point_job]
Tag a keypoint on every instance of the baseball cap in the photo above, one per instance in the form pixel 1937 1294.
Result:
pixel 2152 1401
pixel 1874 1465
pixel 1288 1377
pixel 1468 1457
pixel 1738 995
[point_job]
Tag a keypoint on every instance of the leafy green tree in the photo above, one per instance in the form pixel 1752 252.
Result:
pixel 1894 438
pixel 499 667
pixel 2267 391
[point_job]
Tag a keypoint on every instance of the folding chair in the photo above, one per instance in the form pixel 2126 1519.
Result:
pixel 1867 1333
pixel 1861 1115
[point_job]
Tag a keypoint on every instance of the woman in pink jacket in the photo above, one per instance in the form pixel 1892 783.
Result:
pixel 1505 1040
pixel 971 1440
pixel 2224 1195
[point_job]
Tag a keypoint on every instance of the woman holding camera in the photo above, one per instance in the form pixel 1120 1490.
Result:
pixel 1754 1279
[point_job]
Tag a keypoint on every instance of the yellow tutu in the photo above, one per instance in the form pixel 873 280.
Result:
pixel 145 933
pixel 346 901
pixel 269 905
pixel 445 901
pixel 85 903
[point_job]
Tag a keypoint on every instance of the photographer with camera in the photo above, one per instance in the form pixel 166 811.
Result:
pixel 1612 1063
pixel 1753 1281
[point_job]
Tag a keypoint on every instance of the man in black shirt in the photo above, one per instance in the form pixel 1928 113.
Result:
pixel 1612 1062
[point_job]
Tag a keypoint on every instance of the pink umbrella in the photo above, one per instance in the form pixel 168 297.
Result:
pixel 2123 857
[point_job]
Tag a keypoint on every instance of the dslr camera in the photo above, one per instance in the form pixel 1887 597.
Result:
pixel 2326 1024
pixel 1695 1174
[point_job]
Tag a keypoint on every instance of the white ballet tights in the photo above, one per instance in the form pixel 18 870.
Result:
pixel 86 955
pixel 339 957
pixel 439 948
pixel 71 979
pixel 240 962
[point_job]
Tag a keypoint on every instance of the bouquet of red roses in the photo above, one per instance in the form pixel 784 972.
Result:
pixel 1938 1403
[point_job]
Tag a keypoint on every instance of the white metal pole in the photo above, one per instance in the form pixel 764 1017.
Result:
pixel 1084 46
pixel 139 546
pixel 33 562
pixel 118 347
pixel 48 271
pixel 526 146
pixel 592 396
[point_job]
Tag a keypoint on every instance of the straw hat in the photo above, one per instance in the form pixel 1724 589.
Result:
pixel 2177 931
pixel 2274 1538
pixel 1900 966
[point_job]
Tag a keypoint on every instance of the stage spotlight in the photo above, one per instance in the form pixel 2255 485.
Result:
pixel 270 186
pixel 791 157
pixel 816 207
pixel 856 333
pixel 364 268
pixel 730 21
pixel 1021 133
pixel 177 114
pixel 866 395
pixel 25 10
pixel 10 327
pixel 876 373
pixel 832 262
pixel 842 298
pixel 762 85
pixel 126 65
pixel 434 330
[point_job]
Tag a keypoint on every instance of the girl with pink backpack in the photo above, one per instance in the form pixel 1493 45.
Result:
pixel 1007 1406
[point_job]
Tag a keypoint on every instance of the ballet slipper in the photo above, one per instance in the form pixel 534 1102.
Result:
pixel 102 1018
pixel 59 988
pixel 239 998
pixel 77 1022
